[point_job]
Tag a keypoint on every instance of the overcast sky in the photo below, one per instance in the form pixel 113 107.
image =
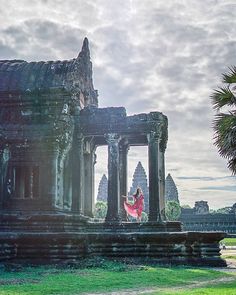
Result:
pixel 147 56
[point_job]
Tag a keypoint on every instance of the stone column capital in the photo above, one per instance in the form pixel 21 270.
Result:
pixel 124 148
pixel 112 138
pixel 154 136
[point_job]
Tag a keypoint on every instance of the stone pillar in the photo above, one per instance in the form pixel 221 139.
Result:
pixel 1 176
pixel 35 182
pixel 78 175
pixel 51 179
pixel 113 201
pixel 89 180
pixel 20 186
pixel 29 182
pixel 123 152
pixel 162 182
pixel 154 179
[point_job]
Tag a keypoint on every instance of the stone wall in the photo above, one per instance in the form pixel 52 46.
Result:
pixel 209 222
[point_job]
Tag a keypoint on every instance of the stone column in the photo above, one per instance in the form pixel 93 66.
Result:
pixel 35 182
pixel 20 182
pixel 162 182
pixel 1 176
pixel 51 179
pixel 89 180
pixel 78 175
pixel 123 152
pixel 29 182
pixel 113 201
pixel 154 179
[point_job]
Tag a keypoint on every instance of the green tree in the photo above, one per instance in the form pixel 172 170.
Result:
pixel 224 123
pixel 212 211
pixel 144 217
pixel 100 209
pixel 173 210
pixel 225 210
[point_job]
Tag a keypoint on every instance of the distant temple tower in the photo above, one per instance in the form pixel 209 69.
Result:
pixel 171 192
pixel 102 189
pixel 201 207
pixel 140 180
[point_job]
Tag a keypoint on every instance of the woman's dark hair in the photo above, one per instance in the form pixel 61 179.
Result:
pixel 138 188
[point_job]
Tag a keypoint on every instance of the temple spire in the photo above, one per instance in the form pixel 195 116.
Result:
pixel 85 52
pixel 171 192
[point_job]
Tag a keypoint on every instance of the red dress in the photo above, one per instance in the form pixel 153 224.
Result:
pixel 135 209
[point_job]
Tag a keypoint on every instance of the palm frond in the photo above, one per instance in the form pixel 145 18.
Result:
pixel 232 165
pixel 223 97
pixel 224 126
pixel 230 77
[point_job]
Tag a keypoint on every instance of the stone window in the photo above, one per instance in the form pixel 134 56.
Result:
pixel 23 182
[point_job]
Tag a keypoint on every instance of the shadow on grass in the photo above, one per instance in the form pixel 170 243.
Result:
pixel 97 275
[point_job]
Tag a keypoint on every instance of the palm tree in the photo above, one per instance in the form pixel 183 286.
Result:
pixel 224 123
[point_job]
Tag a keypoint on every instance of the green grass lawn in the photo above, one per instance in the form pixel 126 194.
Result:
pixel 229 241
pixel 109 276
pixel 229 256
pixel 228 288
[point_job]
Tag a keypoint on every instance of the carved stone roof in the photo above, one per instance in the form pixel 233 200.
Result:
pixel 73 75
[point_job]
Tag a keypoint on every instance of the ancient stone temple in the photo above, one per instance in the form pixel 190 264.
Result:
pixel 199 218
pixel 41 145
pixel 171 192
pixel 102 189
pixel 50 127
pixel 140 180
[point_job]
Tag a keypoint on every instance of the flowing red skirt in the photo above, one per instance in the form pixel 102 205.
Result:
pixel 136 209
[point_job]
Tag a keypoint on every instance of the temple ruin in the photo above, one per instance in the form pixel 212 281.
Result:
pixel 171 192
pixel 102 189
pixel 50 127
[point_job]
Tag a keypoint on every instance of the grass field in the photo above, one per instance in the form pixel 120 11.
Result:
pixel 229 241
pixel 229 256
pixel 227 288
pixel 114 276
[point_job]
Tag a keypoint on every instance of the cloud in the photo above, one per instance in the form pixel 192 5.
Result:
pixel 37 39
pixel 5 50
pixel 209 178
pixel 231 188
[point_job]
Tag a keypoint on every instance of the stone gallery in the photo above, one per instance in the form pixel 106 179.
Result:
pixel 50 127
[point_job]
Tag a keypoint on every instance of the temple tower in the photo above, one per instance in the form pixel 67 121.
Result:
pixel 140 180
pixel 171 192
pixel 102 189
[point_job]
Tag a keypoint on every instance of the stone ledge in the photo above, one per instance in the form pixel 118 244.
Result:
pixel 196 248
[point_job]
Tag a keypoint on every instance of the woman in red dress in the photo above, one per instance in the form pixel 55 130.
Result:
pixel 135 210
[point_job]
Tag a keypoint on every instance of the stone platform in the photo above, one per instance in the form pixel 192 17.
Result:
pixel 56 239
